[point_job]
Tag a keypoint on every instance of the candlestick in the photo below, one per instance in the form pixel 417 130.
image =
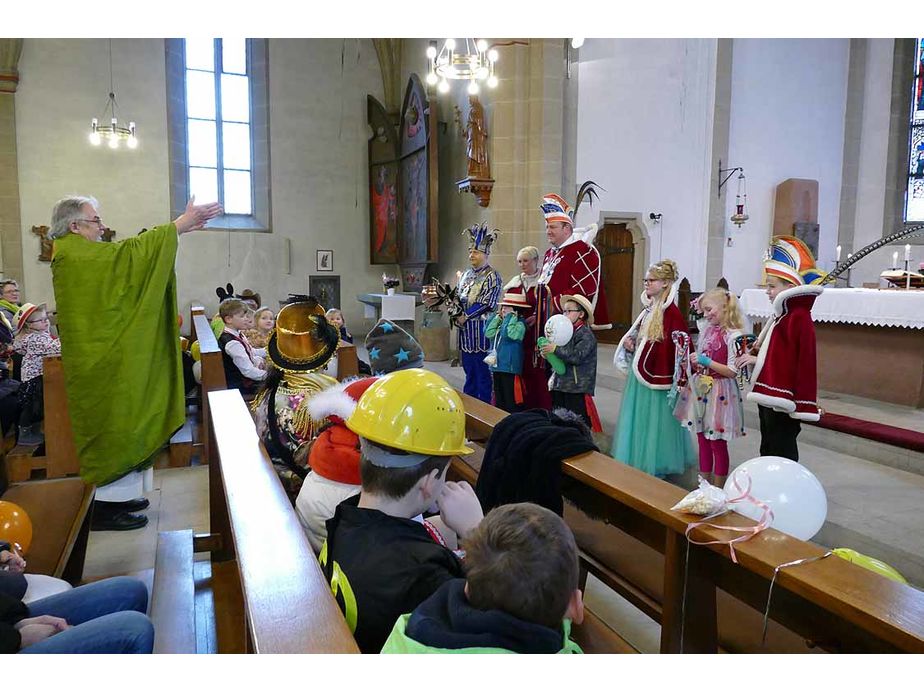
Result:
pixel 907 252
pixel 907 269
pixel 895 260
pixel 838 258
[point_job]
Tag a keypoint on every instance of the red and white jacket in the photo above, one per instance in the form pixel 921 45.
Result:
pixel 652 362
pixel 785 375
pixel 573 268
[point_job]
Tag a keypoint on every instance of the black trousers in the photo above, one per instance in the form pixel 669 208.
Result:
pixel 504 392
pixel 32 401
pixel 778 433
pixel 572 401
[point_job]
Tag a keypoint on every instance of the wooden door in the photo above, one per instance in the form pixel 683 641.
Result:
pixel 617 254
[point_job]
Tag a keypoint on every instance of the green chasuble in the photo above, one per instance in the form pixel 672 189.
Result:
pixel 120 346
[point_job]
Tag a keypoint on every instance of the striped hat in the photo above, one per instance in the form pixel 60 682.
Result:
pixel 554 208
pixel 790 259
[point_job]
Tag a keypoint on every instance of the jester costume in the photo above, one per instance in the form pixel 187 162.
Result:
pixel 299 347
pixel 785 380
pixel 479 292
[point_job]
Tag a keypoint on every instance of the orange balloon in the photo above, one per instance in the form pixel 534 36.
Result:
pixel 15 525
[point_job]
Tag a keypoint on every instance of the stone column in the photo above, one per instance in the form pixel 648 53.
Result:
pixel 11 262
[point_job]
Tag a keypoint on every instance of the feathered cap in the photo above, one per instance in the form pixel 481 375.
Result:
pixel 480 238
pixel 790 259
pixel 303 340
pixel 554 208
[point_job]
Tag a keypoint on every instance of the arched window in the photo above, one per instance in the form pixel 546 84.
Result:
pixel 218 128
pixel 914 193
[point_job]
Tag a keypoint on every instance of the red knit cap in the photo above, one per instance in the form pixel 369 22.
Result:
pixel 335 453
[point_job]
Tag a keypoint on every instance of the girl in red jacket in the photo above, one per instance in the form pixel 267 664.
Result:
pixel 785 381
pixel 648 436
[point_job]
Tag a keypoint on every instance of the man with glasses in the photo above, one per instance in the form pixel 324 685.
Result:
pixel 116 316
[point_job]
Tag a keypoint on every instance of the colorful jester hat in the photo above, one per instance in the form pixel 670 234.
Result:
pixel 480 238
pixel 555 208
pixel 790 259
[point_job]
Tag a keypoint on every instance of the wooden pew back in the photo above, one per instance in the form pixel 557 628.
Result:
pixel 833 603
pixel 213 372
pixel 288 604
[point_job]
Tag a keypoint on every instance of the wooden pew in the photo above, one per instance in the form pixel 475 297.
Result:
pixel 288 605
pixel 633 543
pixel 213 375
pixel 60 513
pixel 60 458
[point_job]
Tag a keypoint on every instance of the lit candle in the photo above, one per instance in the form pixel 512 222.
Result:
pixel 895 259
pixel 907 252
pixel 838 258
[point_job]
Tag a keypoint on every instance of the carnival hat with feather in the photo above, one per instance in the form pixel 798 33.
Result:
pixel 303 340
pixel 479 238
pixel 790 259
pixel 555 208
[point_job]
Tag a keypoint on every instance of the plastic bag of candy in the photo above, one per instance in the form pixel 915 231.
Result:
pixel 706 500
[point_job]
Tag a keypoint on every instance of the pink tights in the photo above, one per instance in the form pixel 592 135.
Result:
pixel 713 456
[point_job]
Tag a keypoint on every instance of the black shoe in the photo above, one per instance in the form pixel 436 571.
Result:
pixel 129 506
pixel 118 522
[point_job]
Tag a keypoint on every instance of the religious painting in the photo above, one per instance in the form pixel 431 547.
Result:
pixel 418 237
pixel 384 193
pixel 325 261
pixel 414 194
pixel 326 289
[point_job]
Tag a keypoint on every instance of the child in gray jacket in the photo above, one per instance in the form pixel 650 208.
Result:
pixel 573 390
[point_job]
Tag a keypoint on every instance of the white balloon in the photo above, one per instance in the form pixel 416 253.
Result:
pixel 558 330
pixel 794 494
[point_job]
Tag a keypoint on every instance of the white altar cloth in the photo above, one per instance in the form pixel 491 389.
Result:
pixel 881 308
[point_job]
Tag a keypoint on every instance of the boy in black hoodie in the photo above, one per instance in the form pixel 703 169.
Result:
pixel 520 596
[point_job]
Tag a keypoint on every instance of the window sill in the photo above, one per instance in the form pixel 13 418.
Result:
pixel 237 222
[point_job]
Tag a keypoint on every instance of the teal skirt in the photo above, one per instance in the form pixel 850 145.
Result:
pixel 648 437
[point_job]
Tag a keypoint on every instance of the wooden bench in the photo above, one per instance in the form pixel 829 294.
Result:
pixel 60 513
pixel 287 603
pixel 60 458
pixel 633 543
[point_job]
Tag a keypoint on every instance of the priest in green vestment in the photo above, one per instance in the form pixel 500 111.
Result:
pixel 116 309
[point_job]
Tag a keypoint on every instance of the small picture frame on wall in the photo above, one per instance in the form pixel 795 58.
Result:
pixel 325 261
pixel 326 289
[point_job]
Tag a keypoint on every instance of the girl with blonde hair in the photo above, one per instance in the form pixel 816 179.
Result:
pixel 648 436
pixel 711 404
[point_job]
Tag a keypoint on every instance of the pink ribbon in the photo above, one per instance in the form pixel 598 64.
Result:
pixel 766 518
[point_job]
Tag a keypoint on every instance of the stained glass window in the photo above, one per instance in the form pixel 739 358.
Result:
pixel 914 194
pixel 218 131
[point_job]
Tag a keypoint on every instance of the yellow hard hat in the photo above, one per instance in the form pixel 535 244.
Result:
pixel 412 410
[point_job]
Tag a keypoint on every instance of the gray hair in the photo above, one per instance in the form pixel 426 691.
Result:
pixel 66 212
pixel 529 251
pixel 7 282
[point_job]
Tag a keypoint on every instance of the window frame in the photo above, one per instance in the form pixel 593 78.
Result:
pixel 177 122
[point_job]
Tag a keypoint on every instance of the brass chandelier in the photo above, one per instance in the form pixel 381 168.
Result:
pixel 113 132
pixel 472 60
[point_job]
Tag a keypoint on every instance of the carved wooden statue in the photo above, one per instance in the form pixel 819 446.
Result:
pixel 477 136
pixel 47 243
pixel 478 179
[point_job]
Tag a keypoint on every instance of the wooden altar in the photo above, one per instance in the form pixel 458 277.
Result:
pixel 870 342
